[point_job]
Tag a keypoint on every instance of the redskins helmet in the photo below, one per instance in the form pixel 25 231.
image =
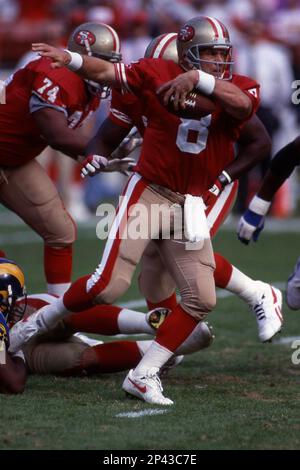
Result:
pixel 204 32
pixel 12 287
pixel 96 40
pixel 163 47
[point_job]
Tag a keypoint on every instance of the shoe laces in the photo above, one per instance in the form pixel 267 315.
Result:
pixel 153 376
pixel 260 311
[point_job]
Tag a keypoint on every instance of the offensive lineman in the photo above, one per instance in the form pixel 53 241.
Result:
pixel 46 107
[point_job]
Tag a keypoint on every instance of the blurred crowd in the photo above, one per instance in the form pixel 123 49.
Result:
pixel 266 38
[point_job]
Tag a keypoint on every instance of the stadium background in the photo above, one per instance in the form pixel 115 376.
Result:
pixel 238 394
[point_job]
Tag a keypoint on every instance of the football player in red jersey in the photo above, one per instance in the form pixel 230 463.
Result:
pixel 65 351
pixel 180 161
pixel 127 111
pixel 45 107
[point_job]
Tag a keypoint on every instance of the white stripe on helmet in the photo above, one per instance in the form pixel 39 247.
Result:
pixel 162 43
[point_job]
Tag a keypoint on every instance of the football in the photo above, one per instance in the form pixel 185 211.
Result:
pixel 196 106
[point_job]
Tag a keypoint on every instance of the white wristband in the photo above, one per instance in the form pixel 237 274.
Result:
pixel 259 206
pixel 206 83
pixel 75 62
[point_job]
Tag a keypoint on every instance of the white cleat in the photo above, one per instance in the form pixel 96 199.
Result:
pixel 147 388
pixel 25 330
pixel 267 310
pixel 293 288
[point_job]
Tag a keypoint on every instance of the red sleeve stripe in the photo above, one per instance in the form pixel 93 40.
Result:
pixel 124 78
pixel 121 78
pixel 119 115
pixel 117 73
pixel 118 122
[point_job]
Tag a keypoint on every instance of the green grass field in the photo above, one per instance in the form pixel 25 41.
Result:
pixel 239 394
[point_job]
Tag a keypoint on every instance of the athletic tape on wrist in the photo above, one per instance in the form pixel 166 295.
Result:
pixel 76 61
pixel 259 206
pixel 206 83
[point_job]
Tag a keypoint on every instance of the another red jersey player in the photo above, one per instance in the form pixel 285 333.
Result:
pixel 46 107
pixel 180 161
pixel 253 143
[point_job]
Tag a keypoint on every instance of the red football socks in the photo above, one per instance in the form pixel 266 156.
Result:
pixel 101 319
pixel 222 272
pixel 175 329
pixel 170 302
pixel 111 357
pixel 58 264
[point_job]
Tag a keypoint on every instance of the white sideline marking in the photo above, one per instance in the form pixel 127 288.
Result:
pixel 286 340
pixel 141 414
pixel 25 238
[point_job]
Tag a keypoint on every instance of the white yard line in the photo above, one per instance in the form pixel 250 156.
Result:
pixel 141 414
pixel 286 340
pixel 26 238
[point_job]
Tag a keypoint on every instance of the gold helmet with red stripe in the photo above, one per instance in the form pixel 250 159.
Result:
pixel 202 33
pixel 96 40
pixel 163 47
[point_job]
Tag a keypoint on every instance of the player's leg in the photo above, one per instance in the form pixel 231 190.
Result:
pixel 113 320
pixel 113 275
pixel 30 193
pixel 75 356
pixel 155 282
pixel 192 271
pixel 123 355
pixel 264 300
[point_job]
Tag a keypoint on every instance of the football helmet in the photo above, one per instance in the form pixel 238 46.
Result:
pixel 198 34
pixel 96 40
pixel 163 47
pixel 12 287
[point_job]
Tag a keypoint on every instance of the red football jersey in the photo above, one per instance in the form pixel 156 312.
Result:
pixel 127 111
pixel 185 155
pixel 20 139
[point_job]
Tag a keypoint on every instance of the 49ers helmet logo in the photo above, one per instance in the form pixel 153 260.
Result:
pixel 186 33
pixel 83 36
